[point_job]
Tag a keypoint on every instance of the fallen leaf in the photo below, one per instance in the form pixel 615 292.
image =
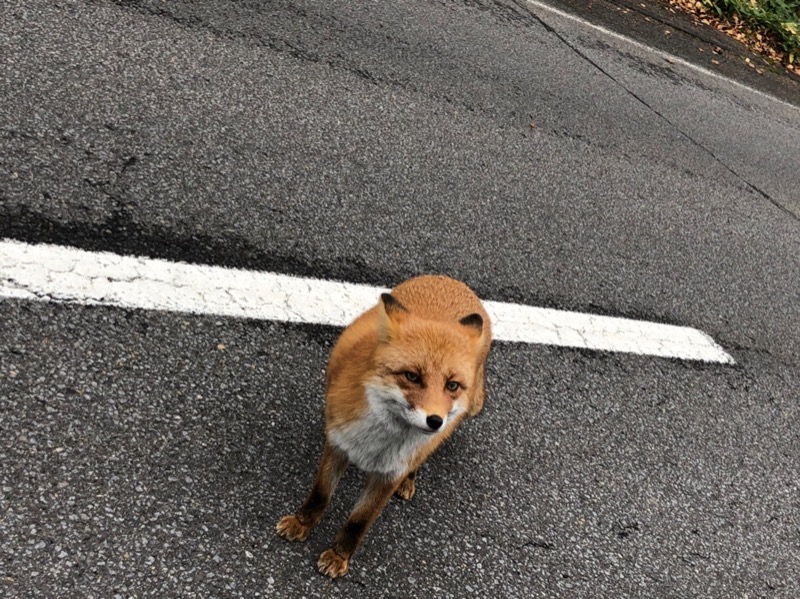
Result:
pixel 755 38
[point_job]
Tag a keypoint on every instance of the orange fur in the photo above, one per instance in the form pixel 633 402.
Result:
pixel 400 379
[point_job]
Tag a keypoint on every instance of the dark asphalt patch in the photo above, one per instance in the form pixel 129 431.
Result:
pixel 122 234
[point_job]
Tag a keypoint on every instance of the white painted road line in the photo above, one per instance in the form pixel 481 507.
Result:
pixel 62 274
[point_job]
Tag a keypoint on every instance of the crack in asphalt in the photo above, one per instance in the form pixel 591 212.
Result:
pixel 750 186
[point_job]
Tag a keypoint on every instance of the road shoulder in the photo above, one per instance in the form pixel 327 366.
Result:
pixel 653 23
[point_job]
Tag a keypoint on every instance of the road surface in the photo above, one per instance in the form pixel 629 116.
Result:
pixel 149 453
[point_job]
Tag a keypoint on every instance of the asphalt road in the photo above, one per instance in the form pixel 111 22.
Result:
pixel 538 159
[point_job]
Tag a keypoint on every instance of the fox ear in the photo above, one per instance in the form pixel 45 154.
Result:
pixel 391 305
pixel 473 321
pixel 391 313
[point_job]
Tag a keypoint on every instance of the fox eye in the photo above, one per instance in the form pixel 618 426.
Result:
pixel 452 386
pixel 412 377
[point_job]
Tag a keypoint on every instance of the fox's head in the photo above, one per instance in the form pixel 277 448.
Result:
pixel 425 369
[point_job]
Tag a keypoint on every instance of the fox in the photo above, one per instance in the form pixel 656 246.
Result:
pixel 400 378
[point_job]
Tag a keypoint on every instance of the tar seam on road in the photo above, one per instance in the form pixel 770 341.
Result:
pixel 658 114
pixel 69 275
pixel 666 55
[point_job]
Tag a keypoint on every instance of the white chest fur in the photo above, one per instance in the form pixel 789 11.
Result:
pixel 381 440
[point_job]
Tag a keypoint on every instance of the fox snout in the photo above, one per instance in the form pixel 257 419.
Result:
pixel 434 422
pixel 427 422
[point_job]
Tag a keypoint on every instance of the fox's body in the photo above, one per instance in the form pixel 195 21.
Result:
pixel 400 378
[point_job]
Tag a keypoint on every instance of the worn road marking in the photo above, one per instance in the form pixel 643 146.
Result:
pixel 62 274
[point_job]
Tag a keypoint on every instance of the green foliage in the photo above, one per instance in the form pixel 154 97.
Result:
pixel 779 17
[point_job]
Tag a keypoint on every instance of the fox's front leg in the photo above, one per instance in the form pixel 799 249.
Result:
pixel 407 487
pixel 297 526
pixel 378 490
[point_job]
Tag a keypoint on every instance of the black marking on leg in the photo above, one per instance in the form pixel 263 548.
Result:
pixel 350 536
pixel 316 500
pixel 315 504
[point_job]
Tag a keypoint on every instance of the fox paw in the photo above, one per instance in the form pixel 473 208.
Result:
pixel 291 529
pixel 406 489
pixel 332 564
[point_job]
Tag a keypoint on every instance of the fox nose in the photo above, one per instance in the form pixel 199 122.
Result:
pixel 434 421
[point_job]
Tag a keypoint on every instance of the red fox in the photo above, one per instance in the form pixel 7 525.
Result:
pixel 399 380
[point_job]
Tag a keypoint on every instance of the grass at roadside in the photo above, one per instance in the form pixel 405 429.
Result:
pixel 771 27
pixel 780 17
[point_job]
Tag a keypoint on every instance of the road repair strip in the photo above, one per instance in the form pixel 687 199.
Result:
pixel 63 274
